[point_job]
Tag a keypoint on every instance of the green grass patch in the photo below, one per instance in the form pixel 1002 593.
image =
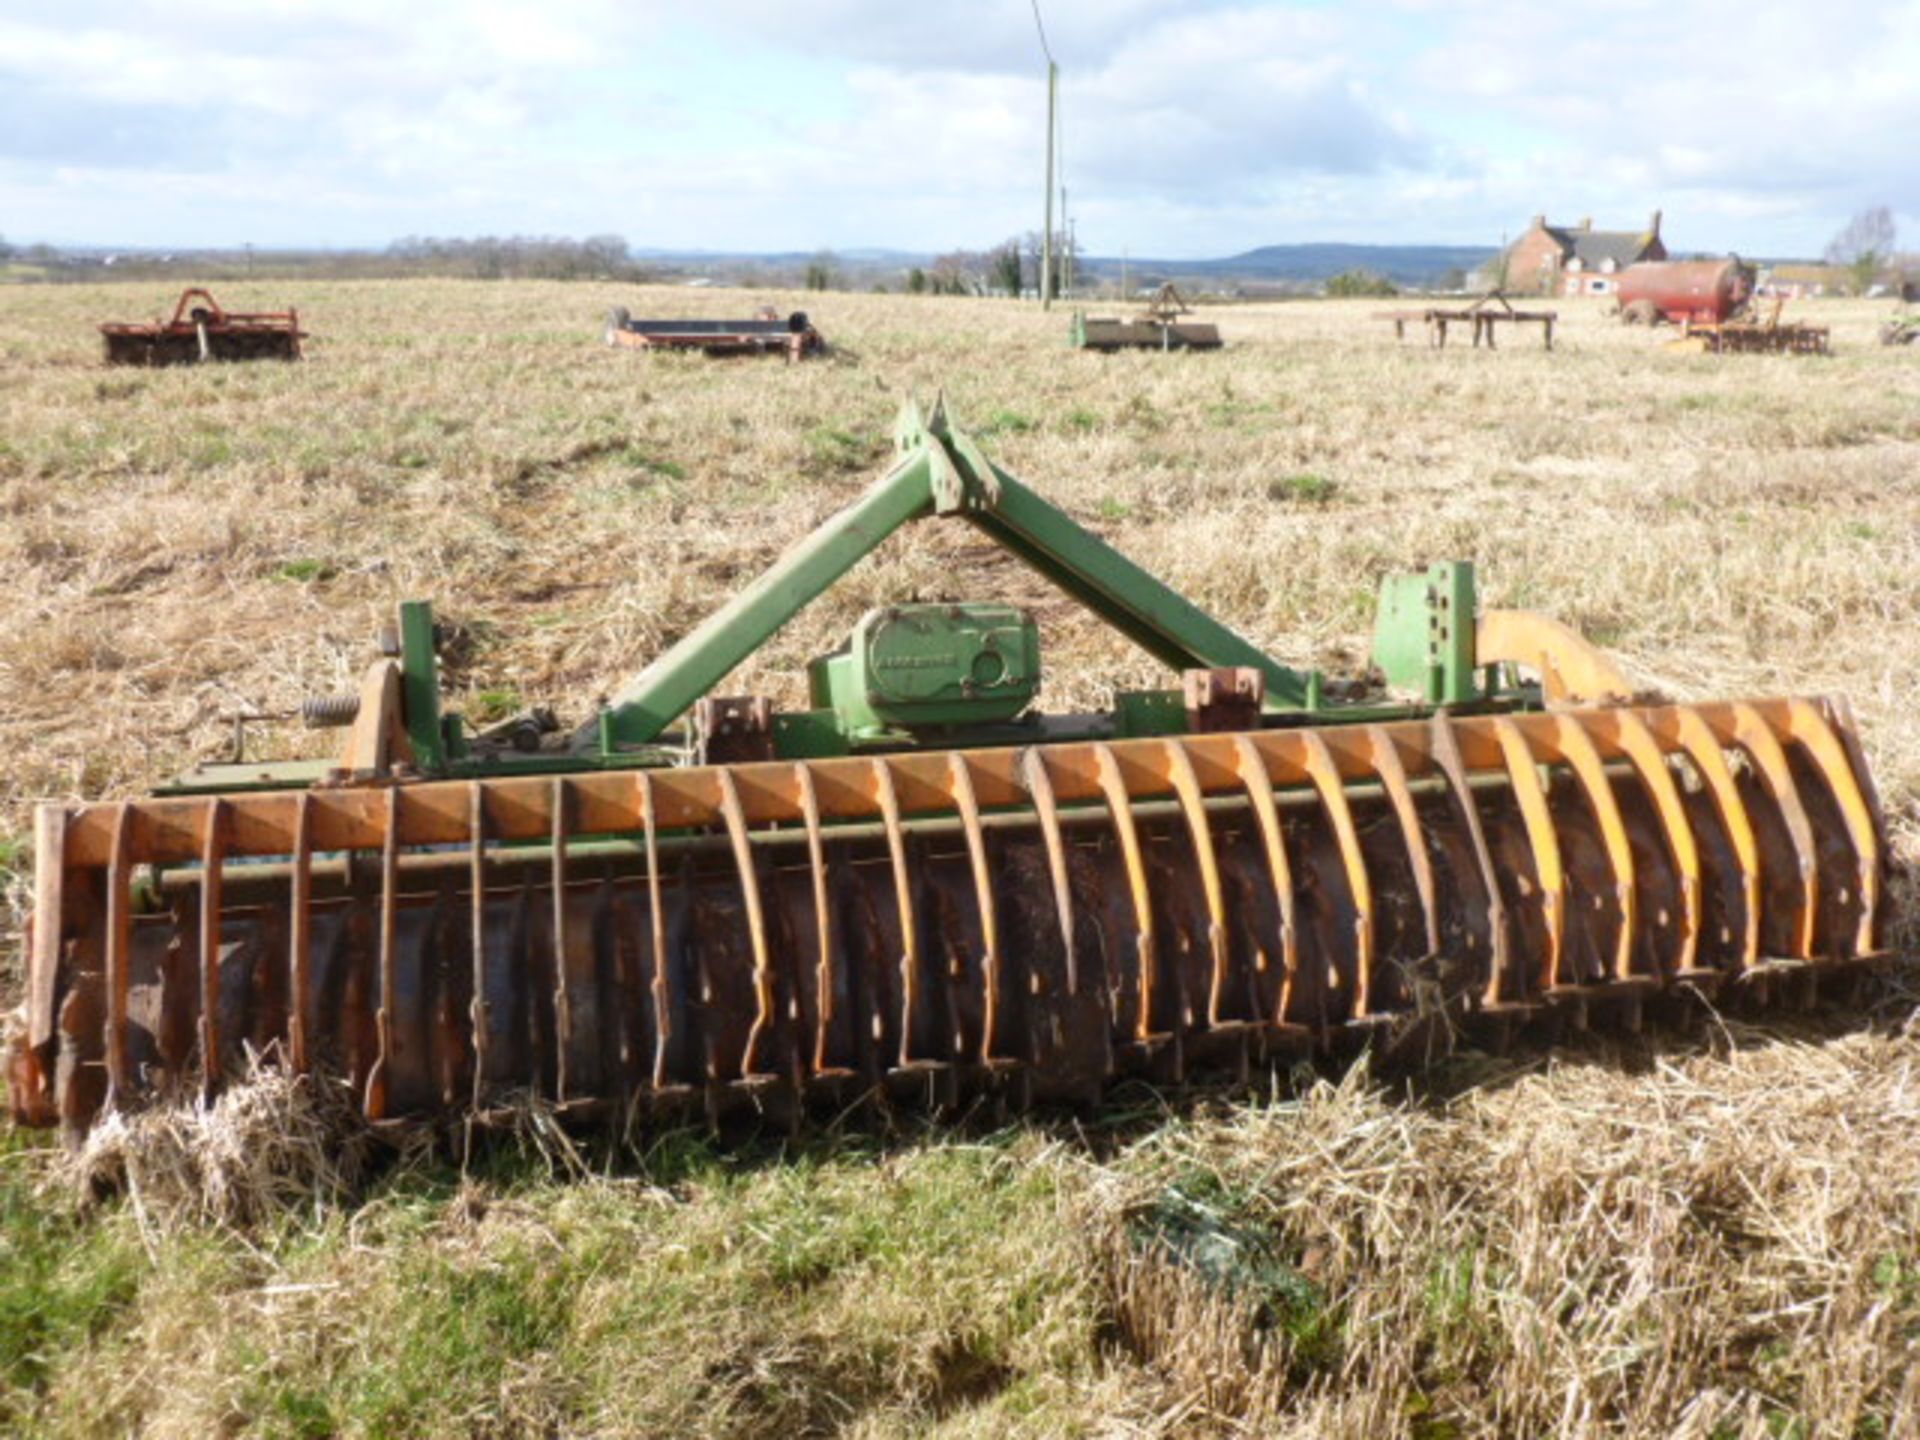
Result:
pixel 16 858
pixel 486 707
pixel 1203 1225
pixel 832 449
pixel 63 1282
pixel 639 460
pixel 305 570
pixel 1305 488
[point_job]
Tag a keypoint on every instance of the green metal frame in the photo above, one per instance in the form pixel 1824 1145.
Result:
pixel 939 471
pixel 1424 639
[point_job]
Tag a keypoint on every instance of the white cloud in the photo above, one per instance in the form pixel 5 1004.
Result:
pixel 1190 129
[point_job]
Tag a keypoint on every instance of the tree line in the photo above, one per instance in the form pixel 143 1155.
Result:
pixel 519 257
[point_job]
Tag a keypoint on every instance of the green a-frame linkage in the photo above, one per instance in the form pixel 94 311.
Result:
pixel 939 471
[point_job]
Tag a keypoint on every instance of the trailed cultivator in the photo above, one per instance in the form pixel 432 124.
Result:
pixel 1748 334
pixel 919 886
pixel 765 334
pixel 1902 329
pixel 200 330
pixel 1158 326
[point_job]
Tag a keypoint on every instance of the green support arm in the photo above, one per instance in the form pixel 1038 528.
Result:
pixel 1155 617
pixel 700 660
pixel 940 471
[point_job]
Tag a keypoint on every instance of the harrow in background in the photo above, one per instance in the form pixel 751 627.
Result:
pixel 203 331
pixel 1158 326
pixel 765 334
pixel 919 886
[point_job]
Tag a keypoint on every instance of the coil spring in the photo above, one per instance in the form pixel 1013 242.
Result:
pixel 327 711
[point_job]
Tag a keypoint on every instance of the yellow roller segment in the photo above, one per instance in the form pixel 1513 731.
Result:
pixel 1545 843
pixel 1186 788
pixel 1114 788
pixel 1577 748
pixel 1259 787
pixel 888 799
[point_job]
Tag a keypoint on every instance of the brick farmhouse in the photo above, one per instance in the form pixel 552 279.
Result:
pixel 1576 259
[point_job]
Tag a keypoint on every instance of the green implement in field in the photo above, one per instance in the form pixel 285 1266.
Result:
pixel 1158 326
pixel 922 886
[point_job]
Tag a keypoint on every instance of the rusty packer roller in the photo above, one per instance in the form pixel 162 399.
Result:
pixel 919 886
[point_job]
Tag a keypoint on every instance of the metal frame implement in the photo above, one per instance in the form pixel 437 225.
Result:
pixel 920 886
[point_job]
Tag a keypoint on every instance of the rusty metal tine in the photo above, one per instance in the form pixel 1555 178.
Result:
pixel 1646 757
pixel 1839 716
pixel 1258 781
pixel 1542 839
pixel 119 942
pixel 1446 754
pixel 1114 787
pixel 1325 776
pixel 822 909
pixel 389 960
pixel 736 823
pixel 1829 753
pixel 656 929
pixel 961 781
pixel 300 932
pixel 1186 788
pixel 1697 739
pixel 49 881
pixel 1033 769
pixel 1584 760
pixel 479 1012
pixel 1393 776
pixel 1763 745
pixel 562 984
pixel 889 802
pixel 212 860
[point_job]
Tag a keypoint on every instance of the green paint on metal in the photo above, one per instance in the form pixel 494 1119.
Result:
pixel 960 676
pixel 420 686
pixel 940 471
pixel 1138 713
pixel 665 690
pixel 908 667
pixel 1423 633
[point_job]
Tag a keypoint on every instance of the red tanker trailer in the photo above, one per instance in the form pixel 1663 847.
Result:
pixel 1698 292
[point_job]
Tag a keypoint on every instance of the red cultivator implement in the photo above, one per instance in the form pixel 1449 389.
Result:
pixel 200 330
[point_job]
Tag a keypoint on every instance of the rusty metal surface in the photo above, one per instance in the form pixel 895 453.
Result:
pixel 1148 334
pixel 1030 922
pixel 1482 318
pixel 1768 337
pixel 204 331
pixel 1703 291
pixel 767 333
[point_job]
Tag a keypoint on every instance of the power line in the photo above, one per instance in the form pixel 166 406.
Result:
pixel 1039 25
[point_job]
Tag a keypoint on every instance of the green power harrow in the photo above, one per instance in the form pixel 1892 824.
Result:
pixel 922 886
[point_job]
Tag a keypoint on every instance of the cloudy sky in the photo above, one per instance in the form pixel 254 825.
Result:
pixel 1190 129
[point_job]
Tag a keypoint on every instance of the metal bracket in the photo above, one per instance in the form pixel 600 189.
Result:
pixel 1223 700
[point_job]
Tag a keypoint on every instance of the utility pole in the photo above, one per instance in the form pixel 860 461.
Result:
pixel 1046 236
pixel 1066 264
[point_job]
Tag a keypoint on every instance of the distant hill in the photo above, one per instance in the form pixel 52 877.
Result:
pixel 1404 264
pixel 1299 264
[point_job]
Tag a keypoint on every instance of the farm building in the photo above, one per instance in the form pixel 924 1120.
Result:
pixel 1806 282
pixel 1577 259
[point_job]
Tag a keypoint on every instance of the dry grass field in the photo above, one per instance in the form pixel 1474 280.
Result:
pixel 1707 1235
